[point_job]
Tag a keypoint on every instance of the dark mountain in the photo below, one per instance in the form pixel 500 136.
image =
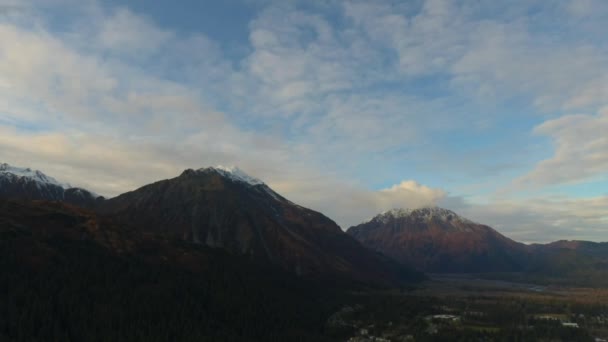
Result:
pixel 438 240
pixel 69 274
pixel 573 259
pixel 587 248
pixel 225 208
pixel 28 184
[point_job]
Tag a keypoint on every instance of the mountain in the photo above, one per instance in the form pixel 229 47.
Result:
pixel 228 209
pixel 588 248
pixel 25 183
pixel 574 259
pixel 225 208
pixel 438 240
pixel 69 274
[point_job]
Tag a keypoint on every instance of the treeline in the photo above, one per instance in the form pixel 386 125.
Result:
pixel 82 292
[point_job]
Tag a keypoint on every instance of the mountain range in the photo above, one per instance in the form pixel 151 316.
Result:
pixel 28 184
pixel 436 240
pixel 224 208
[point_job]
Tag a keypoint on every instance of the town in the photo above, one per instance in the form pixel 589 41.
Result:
pixel 476 312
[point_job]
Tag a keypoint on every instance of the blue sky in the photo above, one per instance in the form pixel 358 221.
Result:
pixel 495 110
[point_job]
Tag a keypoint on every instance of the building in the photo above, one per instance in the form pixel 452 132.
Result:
pixel 570 324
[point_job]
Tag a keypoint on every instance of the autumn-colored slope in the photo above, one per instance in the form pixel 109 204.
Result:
pixel 208 208
pixel 438 240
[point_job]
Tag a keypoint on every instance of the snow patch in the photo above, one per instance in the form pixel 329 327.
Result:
pixel 84 192
pixel 234 173
pixel 237 175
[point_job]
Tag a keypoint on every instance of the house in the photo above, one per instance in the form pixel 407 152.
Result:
pixel 570 324
pixel 451 318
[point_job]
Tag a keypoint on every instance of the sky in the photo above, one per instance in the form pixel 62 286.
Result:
pixel 496 110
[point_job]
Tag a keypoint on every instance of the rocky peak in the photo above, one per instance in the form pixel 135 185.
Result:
pixel 20 173
pixel 25 183
pixel 420 215
pixel 231 173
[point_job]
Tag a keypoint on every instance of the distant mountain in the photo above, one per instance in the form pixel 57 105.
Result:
pixel 25 183
pixel 438 240
pixel 226 208
pixel 588 248
pixel 582 259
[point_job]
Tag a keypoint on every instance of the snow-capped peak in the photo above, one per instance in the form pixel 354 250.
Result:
pixel 424 214
pixel 234 173
pixel 34 175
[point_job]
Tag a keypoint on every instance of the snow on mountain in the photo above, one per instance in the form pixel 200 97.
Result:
pixel 233 173
pixel 84 193
pixel 421 214
pixel 8 171
pixel 437 240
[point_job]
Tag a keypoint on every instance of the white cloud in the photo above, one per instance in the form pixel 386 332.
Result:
pixel 541 220
pixel 426 41
pixel 350 203
pixel 298 58
pixel 126 32
pixel 409 194
pixel 581 151
pixel 494 56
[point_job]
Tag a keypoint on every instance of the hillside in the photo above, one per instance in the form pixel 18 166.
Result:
pixel 438 240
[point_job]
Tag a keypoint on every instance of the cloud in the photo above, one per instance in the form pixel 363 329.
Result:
pixel 299 57
pixel 541 220
pixel 103 120
pixel 426 40
pixel 317 97
pixel 494 52
pixel 409 194
pixel 126 32
pixel 351 203
pixel 581 151
pixel 148 128
pixel 9 8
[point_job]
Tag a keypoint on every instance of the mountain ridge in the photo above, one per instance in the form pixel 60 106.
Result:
pixel 224 207
pixel 424 213
pixel 29 184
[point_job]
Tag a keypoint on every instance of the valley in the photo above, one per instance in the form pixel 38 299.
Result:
pixel 464 308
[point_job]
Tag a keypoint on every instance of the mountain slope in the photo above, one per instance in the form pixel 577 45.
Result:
pixel 588 248
pixel 438 240
pixel 25 183
pixel 582 259
pixel 225 208
pixel 69 274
